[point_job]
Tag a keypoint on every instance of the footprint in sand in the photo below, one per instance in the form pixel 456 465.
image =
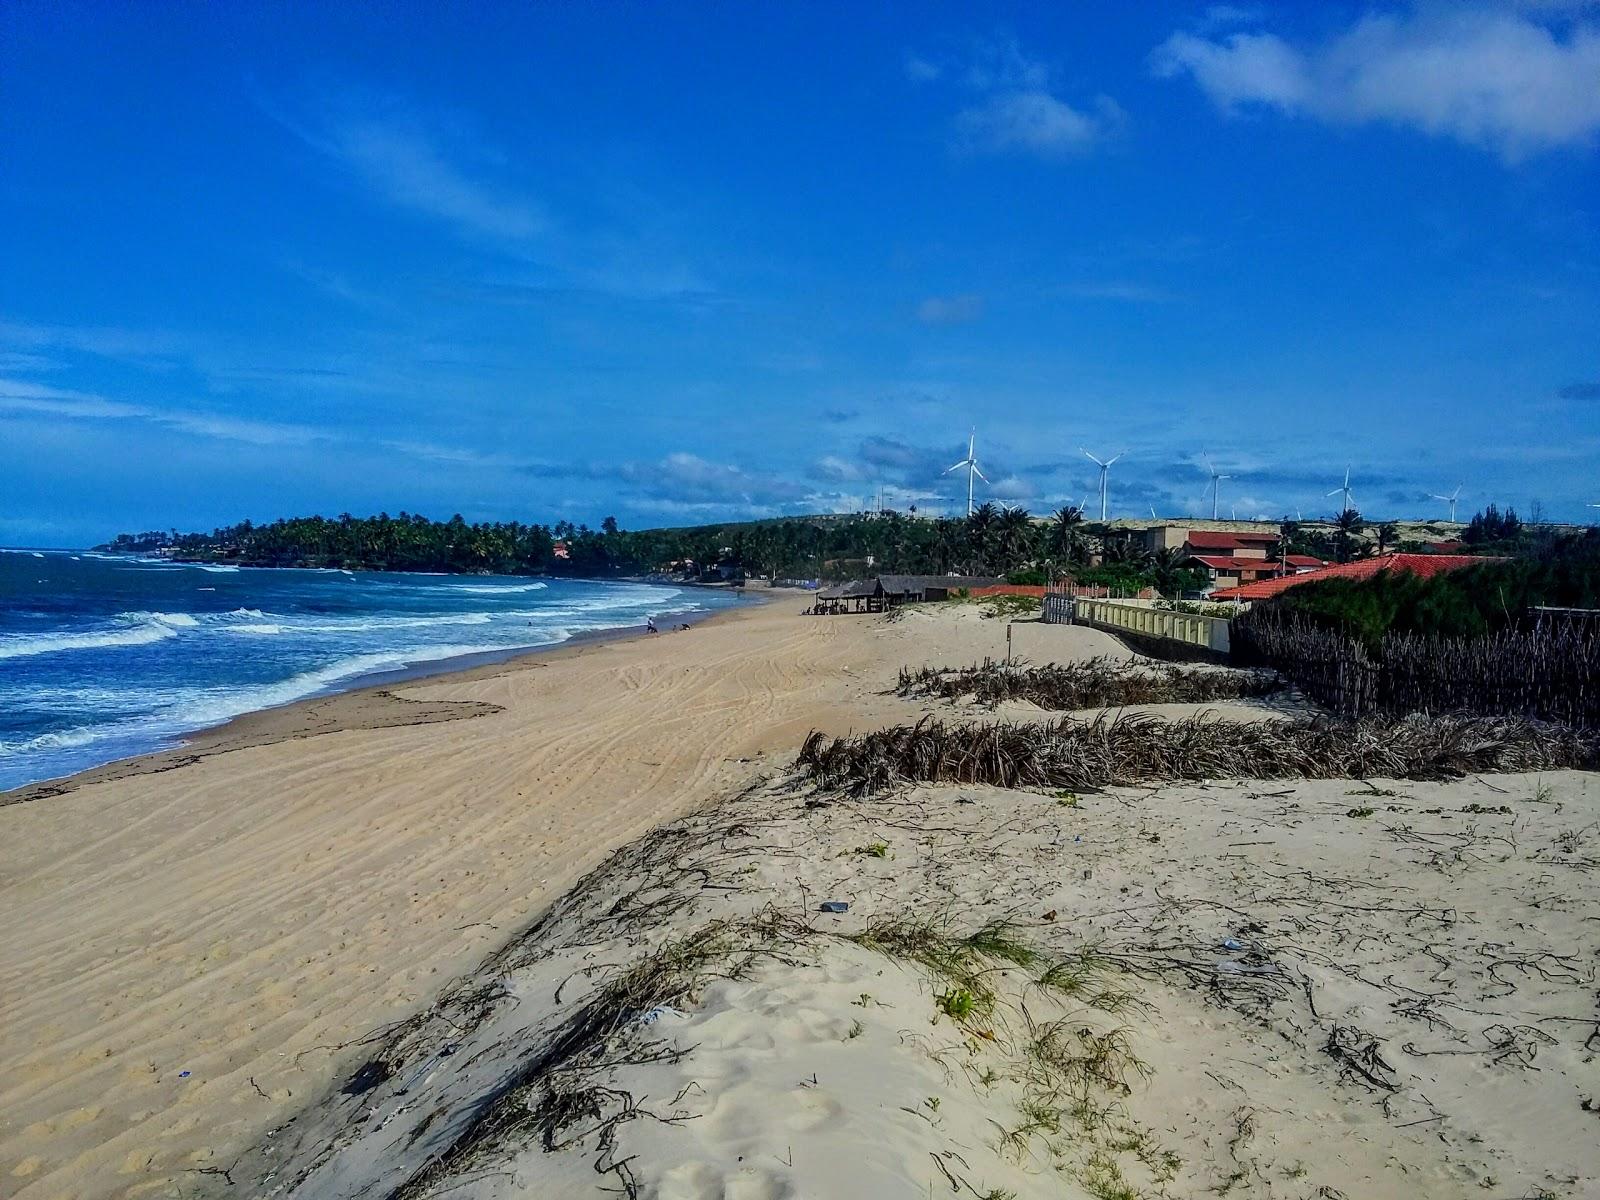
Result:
pixel 812 1110
pixel 697 1180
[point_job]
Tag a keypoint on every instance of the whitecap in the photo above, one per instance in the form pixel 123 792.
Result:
pixel 51 643
pixel 494 589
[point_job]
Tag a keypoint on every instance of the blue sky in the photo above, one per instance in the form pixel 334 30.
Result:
pixel 692 262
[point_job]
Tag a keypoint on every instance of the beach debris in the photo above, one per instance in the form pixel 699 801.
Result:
pixel 1232 966
pixel 1357 1054
pixel 1229 943
pixel 651 1015
pixel 1135 748
pixel 183 1074
pixel 1097 683
pixel 834 906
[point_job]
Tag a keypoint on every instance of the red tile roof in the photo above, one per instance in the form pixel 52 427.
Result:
pixel 1210 539
pixel 1223 562
pixel 1255 535
pixel 1426 565
pixel 1304 560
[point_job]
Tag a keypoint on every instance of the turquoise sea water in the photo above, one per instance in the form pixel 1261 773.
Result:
pixel 102 657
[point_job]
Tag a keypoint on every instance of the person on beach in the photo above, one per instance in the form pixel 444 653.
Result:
pixel 650 624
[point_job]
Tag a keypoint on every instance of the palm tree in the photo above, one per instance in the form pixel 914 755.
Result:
pixel 1388 535
pixel 1012 529
pixel 1166 567
pixel 1348 524
pixel 1066 532
pixel 980 533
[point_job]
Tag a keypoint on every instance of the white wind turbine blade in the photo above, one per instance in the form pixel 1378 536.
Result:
pixel 1092 458
pixel 959 465
pixel 1116 456
pixel 1336 492
pixel 979 473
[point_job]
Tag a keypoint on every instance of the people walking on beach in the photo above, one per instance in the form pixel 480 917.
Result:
pixel 650 625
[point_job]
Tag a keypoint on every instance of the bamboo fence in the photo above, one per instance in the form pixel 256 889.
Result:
pixel 1548 668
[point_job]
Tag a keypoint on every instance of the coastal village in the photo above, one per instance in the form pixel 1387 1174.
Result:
pixel 669 601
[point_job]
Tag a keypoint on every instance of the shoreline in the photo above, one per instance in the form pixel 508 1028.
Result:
pixel 199 949
pixel 283 722
pixel 325 955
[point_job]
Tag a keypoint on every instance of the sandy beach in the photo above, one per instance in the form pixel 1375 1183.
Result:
pixel 194 938
pixel 206 948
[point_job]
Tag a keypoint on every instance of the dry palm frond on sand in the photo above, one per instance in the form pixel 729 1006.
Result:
pixel 1136 748
pixel 1096 683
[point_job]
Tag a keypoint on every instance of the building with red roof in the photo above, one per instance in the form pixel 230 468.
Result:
pixel 1229 557
pixel 1425 565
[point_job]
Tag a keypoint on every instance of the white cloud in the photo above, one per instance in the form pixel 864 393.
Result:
pixel 833 469
pixel 1485 77
pixel 1016 109
pixel 1246 68
pixel 1036 122
pixel 950 310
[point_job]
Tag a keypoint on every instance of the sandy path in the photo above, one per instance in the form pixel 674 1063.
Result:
pixel 184 950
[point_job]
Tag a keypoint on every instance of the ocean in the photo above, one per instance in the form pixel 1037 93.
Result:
pixel 103 657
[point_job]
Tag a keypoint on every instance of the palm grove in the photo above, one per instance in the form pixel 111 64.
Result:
pixel 991 541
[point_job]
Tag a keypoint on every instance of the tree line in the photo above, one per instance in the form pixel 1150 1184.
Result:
pixel 991 541
pixel 1472 602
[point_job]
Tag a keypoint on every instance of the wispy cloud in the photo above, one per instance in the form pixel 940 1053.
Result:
pixel 21 397
pixel 145 347
pixel 921 70
pixel 950 310
pixel 409 165
pixel 1485 76
pixel 1111 289
pixel 1017 108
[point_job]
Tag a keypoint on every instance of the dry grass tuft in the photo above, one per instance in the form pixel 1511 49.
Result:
pixel 1136 748
pixel 1097 683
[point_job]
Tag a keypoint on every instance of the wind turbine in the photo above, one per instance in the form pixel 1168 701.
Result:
pixel 1349 496
pixel 1450 500
pixel 1105 469
pixel 970 462
pixel 1216 485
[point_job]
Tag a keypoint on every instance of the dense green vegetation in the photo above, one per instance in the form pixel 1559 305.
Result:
pixel 1471 602
pixel 992 541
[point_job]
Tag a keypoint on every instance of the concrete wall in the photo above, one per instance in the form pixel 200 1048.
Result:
pixel 1210 633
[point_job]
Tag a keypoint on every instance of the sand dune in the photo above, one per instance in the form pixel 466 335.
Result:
pixel 308 955
pixel 190 951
